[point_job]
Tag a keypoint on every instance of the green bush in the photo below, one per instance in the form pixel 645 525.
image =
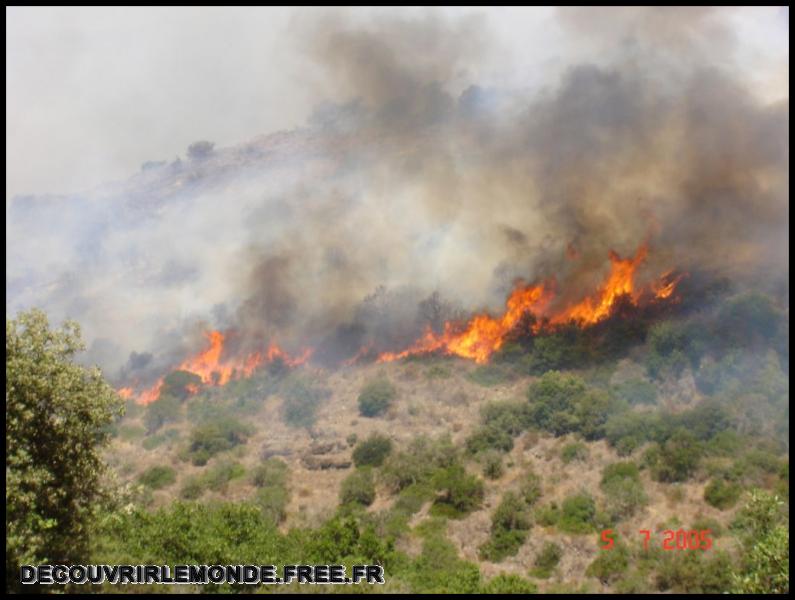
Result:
pixel 158 439
pixel 302 399
pixel 510 416
pixel 193 488
pixel 548 516
pixel 547 560
pixel 358 487
pixel 376 397
pixel 438 372
pixel 419 462
pixel 218 476
pixel 578 514
pixel 677 458
pixel 273 472
pixel 272 501
pixel 461 492
pixel 180 384
pixel 610 565
pixel 209 439
pixel 574 451
pixel 492 464
pixel 508 584
pixel 489 437
pixel 623 490
pixel 372 451
pixel 509 526
pixel 166 409
pixel 722 494
pixel 158 477
pixel 530 487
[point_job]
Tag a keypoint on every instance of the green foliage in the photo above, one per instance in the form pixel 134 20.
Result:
pixel 623 490
pixel 372 451
pixel 218 476
pixel 489 437
pixel 209 439
pixel 574 451
pixel 562 403
pixel 130 433
pixel 489 375
pixel 637 391
pixel 58 415
pixel 673 346
pixel 302 399
pixel 564 348
pixel 376 397
pixel 166 409
pixel 461 491
pixel 272 501
pixel 272 472
pixel 193 487
pixel 722 494
pixel 492 464
pixel 609 565
pixel 548 516
pixel 438 372
pixel 358 487
pixel 158 477
pixel 578 514
pixel 546 560
pixel 530 487
pixel 509 526
pixel 180 384
pixel 763 528
pixel 420 462
pixel 508 584
pixel 510 416
pixel 694 573
pixel 677 458
pixel 748 319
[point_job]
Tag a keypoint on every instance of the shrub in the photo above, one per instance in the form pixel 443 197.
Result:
pixel 510 416
pixel 677 458
pixel 218 476
pixel 301 401
pixel 547 560
pixel 530 488
pixel 438 372
pixel 492 464
pixel 419 462
pixel 372 451
pixel 218 436
pixel 508 584
pixel 180 384
pixel 193 488
pixel 460 491
pixel 578 514
pixel 272 501
pixel 623 490
pixel 509 526
pixel 609 565
pixel 273 472
pixel 158 439
pixel 574 451
pixel 358 487
pixel 376 397
pixel 548 516
pixel 489 437
pixel 200 149
pixel 166 409
pixel 158 477
pixel 722 494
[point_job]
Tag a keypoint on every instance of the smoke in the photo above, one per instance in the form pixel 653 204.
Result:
pixel 413 178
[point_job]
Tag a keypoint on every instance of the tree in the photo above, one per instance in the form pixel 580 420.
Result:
pixel 57 418
pixel 181 384
pixel 372 451
pixel 201 149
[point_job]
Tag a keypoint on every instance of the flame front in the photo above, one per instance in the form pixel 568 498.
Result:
pixel 214 369
pixel 484 334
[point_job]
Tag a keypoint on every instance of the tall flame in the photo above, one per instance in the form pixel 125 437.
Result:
pixel 484 334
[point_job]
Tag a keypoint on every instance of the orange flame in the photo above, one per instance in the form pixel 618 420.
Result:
pixel 484 335
pixel 620 281
pixel 664 287
pixel 125 392
pixel 215 370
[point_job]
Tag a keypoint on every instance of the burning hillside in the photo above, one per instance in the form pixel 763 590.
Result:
pixel 530 306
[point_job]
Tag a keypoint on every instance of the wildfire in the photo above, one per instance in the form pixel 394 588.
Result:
pixel 214 369
pixel 483 334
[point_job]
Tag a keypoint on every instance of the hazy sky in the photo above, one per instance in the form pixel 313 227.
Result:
pixel 92 93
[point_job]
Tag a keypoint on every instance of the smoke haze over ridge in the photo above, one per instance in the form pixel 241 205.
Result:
pixel 414 174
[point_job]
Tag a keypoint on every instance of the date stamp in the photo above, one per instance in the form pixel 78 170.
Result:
pixel 681 539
